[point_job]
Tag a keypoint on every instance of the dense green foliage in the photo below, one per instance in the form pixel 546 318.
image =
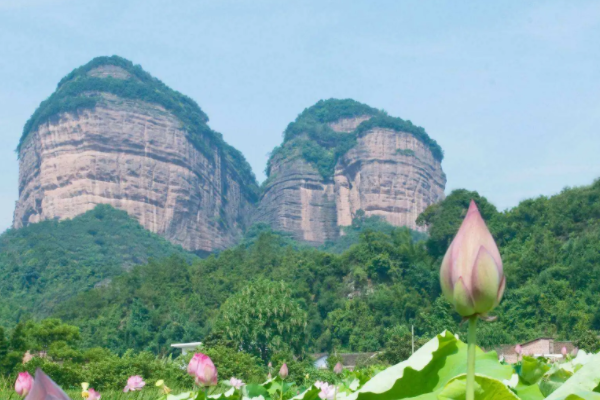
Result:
pixel 363 299
pixel 78 90
pixel 382 284
pixel 262 319
pixel 310 136
pixel 46 263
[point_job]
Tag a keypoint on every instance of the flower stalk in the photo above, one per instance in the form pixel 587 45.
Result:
pixel 471 341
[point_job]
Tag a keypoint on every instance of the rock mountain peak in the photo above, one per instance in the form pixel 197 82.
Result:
pixel 113 134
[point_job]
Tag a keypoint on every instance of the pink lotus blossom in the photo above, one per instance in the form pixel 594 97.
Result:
pixel 45 388
pixel 327 391
pixel 93 395
pixel 339 368
pixel 564 351
pixel 23 384
pixel 283 371
pixel 236 383
pixel 134 383
pixel 471 274
pixel 319 384
pixel 518 349
pixel 202 368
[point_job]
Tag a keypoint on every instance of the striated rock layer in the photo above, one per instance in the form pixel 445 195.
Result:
pixel 390 174
pixel 134 156
pixel 387 172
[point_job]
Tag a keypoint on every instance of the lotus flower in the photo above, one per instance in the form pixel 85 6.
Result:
pixel 471 275
pixel 93 395
pixel 44 388
pixel 327 391
pixel 23 384
pixel 236 383
pixel 202 368
pixel 575 351
pixel 339 368
pixel 283 371
pixel 134 383
pixel 318 384
pixel 564 351
pixel 518 349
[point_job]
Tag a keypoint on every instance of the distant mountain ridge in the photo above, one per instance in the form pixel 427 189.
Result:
pixel 113 134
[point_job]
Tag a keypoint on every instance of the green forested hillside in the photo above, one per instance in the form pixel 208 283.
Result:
pixel 46 263
pixel 362 298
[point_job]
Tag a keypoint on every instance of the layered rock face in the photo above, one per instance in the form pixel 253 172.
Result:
pixel 297 200
pixel 387 172
pixel 390 174
pixel 135 156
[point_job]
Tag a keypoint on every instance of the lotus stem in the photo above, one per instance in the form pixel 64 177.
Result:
pixel 471 339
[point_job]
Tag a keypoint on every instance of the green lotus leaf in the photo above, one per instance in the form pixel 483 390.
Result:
pixel 486 388
pixel 554 379
pixel 582 384
pixel 532 369
pixel 428 371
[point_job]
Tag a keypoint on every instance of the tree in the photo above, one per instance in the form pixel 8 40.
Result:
pixel 17 339
pixel 51 330
pixel 263 318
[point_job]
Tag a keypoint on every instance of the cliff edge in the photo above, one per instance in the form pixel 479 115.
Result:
pixel 113 134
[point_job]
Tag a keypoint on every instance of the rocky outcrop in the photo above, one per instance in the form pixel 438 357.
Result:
pixel 135 156
pixel 390 174
pixel 387 172
pixel 296 199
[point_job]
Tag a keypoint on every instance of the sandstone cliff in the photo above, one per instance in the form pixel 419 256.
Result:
pixel 340 157
pixel 111 134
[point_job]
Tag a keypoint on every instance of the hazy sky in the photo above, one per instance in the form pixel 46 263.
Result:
pixel 510 89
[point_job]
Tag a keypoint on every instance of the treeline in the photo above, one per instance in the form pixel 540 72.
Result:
pixel 270 293
pixel 360 299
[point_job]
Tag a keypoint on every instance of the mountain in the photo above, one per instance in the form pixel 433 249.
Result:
pixel 113 134
pixel 47 263
pixel 340 158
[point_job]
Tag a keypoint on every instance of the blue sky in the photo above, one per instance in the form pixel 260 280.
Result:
pixel 510 89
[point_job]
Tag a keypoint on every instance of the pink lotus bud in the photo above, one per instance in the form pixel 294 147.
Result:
pixel 575 351
pixel 269 377
pixel 471 275
pixel 93 395
pixel 23 384
pixel 270 364
pixel 283 372
pixel 563 351
pixel 236 383
pixel 518 349
pixel 202 368
pixel 327 391
pixel 339 368
pixel 134 383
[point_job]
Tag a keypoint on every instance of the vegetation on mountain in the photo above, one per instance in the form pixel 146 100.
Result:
pixel 311 137
pixel 364 298
pixel 78 90
pixel 44 264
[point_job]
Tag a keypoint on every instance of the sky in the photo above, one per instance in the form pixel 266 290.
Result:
pixel 509 89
